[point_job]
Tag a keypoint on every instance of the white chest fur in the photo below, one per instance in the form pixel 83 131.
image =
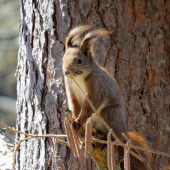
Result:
pixel 78 93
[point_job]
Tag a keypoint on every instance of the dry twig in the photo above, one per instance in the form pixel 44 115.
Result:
pixel 66 143
pixel 137 147
pixel 30 136
pixel 17 149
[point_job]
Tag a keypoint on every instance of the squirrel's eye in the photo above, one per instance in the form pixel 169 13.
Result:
pixel 79 61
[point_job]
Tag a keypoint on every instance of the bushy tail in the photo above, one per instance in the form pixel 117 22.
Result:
pixel 138 140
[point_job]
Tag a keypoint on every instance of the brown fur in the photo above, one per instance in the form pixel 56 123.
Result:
pixel 75 36
pixel 102 89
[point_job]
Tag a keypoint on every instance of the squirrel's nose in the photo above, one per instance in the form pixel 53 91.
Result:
pixel 67 73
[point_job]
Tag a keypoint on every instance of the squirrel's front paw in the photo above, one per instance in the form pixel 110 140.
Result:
pixel 76 124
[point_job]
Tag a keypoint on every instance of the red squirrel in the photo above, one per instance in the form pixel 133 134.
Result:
pixel 102 90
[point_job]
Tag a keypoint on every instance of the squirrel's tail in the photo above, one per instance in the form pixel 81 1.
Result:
pixel 138 140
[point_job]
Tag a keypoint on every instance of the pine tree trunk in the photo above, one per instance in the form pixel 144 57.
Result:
pixel 137 55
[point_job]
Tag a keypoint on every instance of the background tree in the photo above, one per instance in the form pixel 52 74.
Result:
pixel 137 55
pixel 8 60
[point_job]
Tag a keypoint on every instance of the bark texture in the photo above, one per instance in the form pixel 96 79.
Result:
pixel 137 55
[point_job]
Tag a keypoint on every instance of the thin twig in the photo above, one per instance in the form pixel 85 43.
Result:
pixel 34 136
pixel 137 147
pixel 30 136
pixel 62 142
pixel 12 129
pixel 17 149
pixel 93 139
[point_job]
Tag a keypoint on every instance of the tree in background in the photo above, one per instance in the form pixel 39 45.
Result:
pixel 137 55
pixel 8 60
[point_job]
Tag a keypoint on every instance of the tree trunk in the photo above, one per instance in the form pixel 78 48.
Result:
pixel 137 56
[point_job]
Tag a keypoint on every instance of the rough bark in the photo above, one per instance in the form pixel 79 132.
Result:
pixel 137 55
pixel 6 150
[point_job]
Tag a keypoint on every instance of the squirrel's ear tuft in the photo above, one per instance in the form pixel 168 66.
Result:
pixel 76 35
pixel 90 39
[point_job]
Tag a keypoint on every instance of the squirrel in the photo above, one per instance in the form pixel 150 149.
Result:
pixel 102 89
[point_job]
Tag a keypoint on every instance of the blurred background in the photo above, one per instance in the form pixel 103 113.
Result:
pixel 9 31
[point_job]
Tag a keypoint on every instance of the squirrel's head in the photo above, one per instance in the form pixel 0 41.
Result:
pixel 78 58
pixel 76 63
